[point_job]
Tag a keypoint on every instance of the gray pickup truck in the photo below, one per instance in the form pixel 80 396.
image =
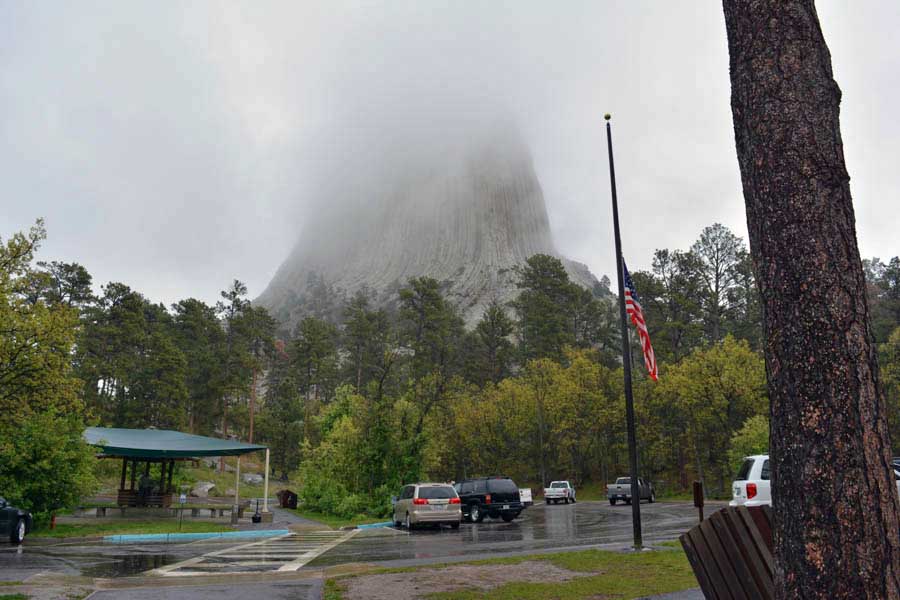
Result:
pixel 621 490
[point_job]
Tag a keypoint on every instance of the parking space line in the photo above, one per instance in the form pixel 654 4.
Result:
pixel 302 560
pixel 289 552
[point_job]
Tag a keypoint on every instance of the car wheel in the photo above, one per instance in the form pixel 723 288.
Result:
pixel 612 501
pixel 573 499
pixel 627 500
pixel 652 497
pixel 407 523
pixel 454 525
pixel 18 532
pixel 566 500
pixel 507 517
pixel 475 514
pixel 547 500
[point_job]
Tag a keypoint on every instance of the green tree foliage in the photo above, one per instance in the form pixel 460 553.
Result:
pixel 134 372
pixel 883 293
pixel 44 462
pixel 360 400
pixel 718 254
pixel 36 337
pixel 889 361
pixel 45 465
pixel 752 438
pixel 695 298
pixel 314 352
pixel 199 335
pixel 282 421
pixel 710 394
pixel 543 308
pixel 492 353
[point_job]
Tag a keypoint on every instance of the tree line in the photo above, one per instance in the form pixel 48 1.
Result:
pixel 361 399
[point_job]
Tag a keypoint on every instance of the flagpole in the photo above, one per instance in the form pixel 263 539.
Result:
pixel 626 355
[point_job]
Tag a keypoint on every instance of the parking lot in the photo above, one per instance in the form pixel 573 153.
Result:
pixel 540 528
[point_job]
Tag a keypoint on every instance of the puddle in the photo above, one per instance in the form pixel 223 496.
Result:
pixel 126 565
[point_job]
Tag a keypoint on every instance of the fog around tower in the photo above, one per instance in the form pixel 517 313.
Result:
pixel 176 147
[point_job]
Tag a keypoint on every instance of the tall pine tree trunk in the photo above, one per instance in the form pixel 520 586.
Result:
pixel 837 531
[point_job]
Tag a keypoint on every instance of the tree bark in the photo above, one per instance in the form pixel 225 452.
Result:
pixel 835 499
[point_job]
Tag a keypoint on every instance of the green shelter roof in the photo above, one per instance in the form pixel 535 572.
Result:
pixel 162 443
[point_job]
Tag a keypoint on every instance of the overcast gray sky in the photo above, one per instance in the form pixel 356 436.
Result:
pixel 176 146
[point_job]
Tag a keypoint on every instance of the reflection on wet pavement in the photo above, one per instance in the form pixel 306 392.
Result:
pixel 540 527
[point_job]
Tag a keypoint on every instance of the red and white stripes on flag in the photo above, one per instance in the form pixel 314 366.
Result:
pixel 633 308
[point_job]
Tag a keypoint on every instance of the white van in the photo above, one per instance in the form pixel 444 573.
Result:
pixel 751 486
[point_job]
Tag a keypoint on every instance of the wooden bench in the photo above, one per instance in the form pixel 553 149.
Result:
pixel 731 554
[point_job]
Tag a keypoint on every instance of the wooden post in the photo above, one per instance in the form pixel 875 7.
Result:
pixel 237 491
pixel 698 497
pixel 133 472
pixel 162 477
pixel 169 484
pixel 266 485
pixel 124 472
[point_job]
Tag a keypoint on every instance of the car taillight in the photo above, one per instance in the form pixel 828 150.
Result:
pixel 454 500
pixel 420 501
pixel 487 499
pixel 751 490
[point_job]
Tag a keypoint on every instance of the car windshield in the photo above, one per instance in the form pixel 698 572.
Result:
pixel 437 492
pixel 558 484
pixel 623 480
pixel 744 471
pixel 502 486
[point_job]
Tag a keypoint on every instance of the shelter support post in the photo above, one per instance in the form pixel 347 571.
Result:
pixel 266 485
pixel 124 473
pixel 133 472
pixel 171 468
pixel 237 491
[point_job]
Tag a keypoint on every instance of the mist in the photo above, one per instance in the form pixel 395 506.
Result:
pixel 176 147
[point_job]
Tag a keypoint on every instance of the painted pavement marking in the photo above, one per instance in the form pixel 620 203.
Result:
pixel 283 553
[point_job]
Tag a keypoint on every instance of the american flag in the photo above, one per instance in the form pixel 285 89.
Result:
pixel 633 308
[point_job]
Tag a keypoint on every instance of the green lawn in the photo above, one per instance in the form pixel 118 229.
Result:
pixel 13 597
pixel 612 574
pixel 66 530
pixel 337 522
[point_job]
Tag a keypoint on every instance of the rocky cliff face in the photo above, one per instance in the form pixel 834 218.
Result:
pixel 466 216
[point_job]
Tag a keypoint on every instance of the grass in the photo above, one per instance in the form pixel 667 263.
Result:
pixel 611 574
pixel 337 522
pixel 13 597
pixel 67 530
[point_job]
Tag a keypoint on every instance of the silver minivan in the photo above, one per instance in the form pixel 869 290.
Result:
pixel 433 503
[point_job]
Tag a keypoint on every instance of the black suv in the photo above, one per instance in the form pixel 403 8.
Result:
pixel 489 496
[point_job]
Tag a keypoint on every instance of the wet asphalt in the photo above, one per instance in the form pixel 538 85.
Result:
pixel 540 528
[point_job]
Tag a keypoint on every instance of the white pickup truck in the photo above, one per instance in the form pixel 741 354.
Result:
pixel 559 491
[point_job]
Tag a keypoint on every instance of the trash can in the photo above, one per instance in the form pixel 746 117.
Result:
pixel 287 499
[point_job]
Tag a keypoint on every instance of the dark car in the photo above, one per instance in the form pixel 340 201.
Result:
pixel 495 497
pixel 14 522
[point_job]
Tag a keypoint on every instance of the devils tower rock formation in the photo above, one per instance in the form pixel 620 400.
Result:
pixel 465 213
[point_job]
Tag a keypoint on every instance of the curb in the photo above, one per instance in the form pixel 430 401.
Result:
pixel 184 537
pixel 375 525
